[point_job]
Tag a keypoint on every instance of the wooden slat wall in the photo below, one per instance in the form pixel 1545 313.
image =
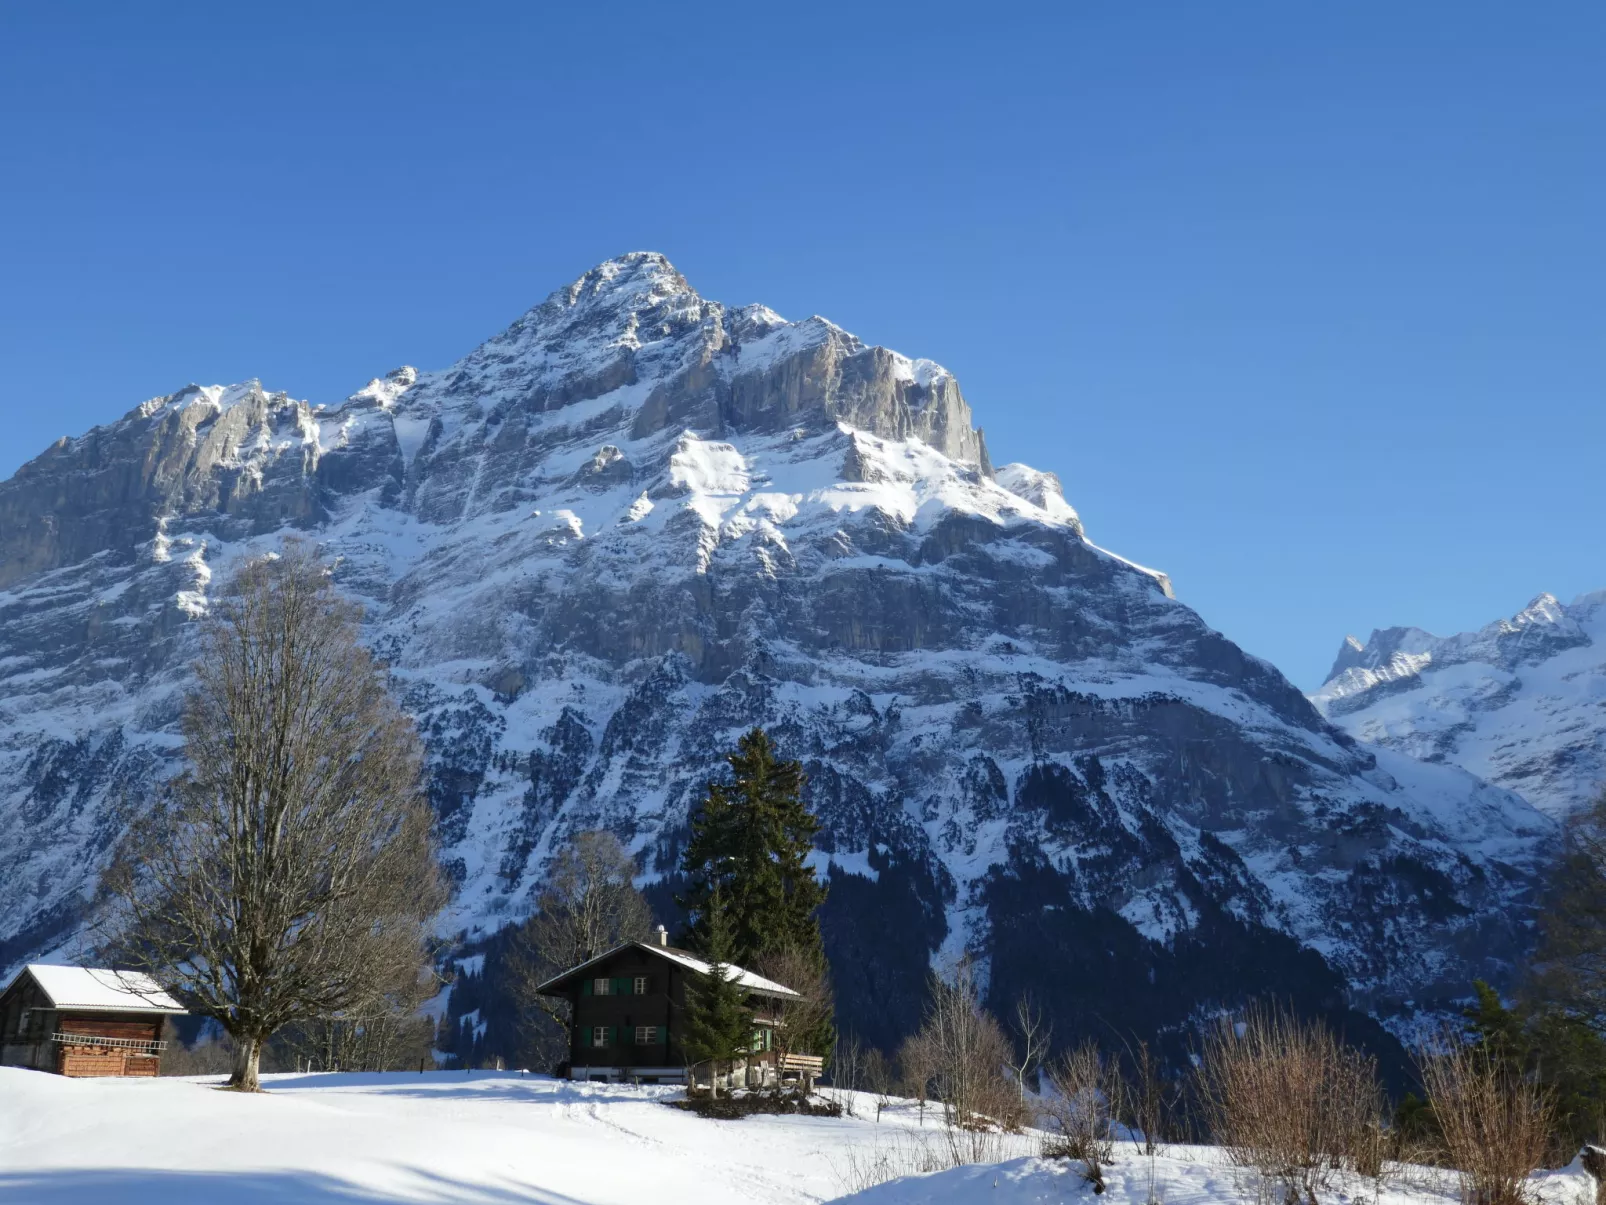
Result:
pixel 84 1062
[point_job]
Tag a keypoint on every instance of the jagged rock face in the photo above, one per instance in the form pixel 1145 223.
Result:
pixel 637 523
pixel 1521 702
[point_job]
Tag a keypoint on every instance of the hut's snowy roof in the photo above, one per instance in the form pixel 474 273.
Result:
pixel 101 990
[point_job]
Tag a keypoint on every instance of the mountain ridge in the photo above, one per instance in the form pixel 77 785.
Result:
pixel 637 522
pixel 1520 702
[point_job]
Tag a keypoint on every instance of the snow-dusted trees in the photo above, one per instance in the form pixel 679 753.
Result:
pixel 288 876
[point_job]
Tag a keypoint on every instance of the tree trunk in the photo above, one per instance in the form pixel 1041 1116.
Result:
pixel 247 1058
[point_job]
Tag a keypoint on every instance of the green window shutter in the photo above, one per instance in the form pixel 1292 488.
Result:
pixel 585 988
pixel 621 986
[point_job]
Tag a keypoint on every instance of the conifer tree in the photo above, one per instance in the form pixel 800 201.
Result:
pixel 719 1024
pixel 750 844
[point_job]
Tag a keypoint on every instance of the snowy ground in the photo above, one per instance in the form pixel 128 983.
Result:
pixel 501 1138
pixel 437 1137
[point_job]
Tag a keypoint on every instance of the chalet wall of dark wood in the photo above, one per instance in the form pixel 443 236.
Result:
pixel 26 1024
pixel 628 1013
pixel 628 1019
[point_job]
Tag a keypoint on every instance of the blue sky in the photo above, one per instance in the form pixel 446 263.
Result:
pixel 1304 303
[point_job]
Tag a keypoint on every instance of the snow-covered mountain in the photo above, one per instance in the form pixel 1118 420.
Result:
pixel 1521 702
pixel 637 522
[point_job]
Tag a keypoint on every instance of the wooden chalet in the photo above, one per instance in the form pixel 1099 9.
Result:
pixel 81 1022
pixel 628 1016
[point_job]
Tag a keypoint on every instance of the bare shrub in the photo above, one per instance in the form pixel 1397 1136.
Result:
pixel 1287 1098
pixel 1496 1126
pixel 917 1067
pixel 1086 1098
pixel 969 1055
pixel 209 1054
pixel 903 1155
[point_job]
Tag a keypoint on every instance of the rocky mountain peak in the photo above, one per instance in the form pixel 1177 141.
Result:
pixel 636 523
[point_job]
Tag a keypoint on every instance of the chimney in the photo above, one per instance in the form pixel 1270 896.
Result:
pixel 663 936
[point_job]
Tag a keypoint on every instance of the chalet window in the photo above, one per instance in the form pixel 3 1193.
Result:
pixel 602 987
pixel 640 985
pixel 646 1035
pixel 599 1035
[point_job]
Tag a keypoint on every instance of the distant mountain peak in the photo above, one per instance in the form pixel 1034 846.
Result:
pixel 1518 701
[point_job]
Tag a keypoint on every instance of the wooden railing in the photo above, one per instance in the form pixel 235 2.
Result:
pixel 801 1062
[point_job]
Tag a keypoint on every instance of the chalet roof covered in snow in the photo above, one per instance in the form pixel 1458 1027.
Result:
pixel 94 989
pixel 688 960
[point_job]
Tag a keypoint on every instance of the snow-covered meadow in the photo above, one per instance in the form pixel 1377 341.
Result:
pixel 502 1137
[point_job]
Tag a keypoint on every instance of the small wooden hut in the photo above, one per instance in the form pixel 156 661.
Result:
pixel 78 1021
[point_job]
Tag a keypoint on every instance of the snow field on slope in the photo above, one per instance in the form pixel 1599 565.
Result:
pixel 402 1137
pixel 501 1137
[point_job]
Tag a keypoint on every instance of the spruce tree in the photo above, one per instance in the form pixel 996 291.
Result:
pixel 749 848
pixel 719 1024
pixel 750 844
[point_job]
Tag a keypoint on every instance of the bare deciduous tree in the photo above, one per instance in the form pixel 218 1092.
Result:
pixel 1149 1108
pixel 1033 1033
pixel 878 1079
pixel 847 1068
pixel 387 1034
pixel 288 875
pixel 588 905
pixel 917 1067
pixel 1146 1101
